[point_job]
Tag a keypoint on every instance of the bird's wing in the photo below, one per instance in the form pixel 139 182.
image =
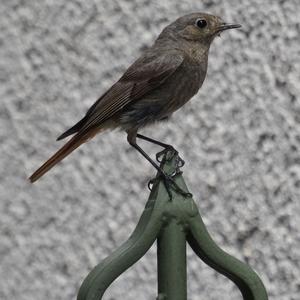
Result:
pixel 144 75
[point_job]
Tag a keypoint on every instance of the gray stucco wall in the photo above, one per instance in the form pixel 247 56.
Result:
pixel 240 137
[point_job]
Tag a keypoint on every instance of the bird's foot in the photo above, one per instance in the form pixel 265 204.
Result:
pixel 170 183
pixel 168 153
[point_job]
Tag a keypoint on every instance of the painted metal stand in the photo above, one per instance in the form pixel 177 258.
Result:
pixel 172 223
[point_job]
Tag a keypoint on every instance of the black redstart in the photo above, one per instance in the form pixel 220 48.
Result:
pixel 163 79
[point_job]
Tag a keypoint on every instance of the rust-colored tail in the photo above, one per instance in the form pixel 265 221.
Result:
pixel 70 146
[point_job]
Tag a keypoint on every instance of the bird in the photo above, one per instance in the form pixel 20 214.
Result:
pixel 165 77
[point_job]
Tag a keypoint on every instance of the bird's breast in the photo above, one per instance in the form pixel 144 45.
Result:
pixel 183 85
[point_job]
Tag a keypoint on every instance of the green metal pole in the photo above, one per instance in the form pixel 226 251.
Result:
pixel 171 261
pixel 172 222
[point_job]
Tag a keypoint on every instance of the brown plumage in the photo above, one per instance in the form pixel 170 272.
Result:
pixel 163 79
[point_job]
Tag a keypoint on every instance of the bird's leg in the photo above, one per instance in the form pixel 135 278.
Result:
pixel 168 180
pixel 163 152
pixel 167 146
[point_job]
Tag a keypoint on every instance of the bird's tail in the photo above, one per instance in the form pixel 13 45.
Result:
pixel 69 147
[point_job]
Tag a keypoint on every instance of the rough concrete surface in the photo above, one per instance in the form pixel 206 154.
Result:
pixel 240 138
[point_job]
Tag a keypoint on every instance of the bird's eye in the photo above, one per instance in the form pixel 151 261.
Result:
pixel 201 23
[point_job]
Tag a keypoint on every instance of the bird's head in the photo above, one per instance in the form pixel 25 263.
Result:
pixel 200 27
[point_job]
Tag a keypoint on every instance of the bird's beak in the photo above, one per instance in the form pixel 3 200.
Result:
pixel 226 26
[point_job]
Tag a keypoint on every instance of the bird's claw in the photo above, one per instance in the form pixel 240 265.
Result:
pixel 160 155
pixel 179 162
pixel 151 183
pixel 168 154
pixel 170 183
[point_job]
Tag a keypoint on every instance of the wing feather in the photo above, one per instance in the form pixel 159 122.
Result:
pixel 146 74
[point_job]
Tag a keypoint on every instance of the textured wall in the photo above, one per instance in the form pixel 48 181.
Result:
pixel 240 137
